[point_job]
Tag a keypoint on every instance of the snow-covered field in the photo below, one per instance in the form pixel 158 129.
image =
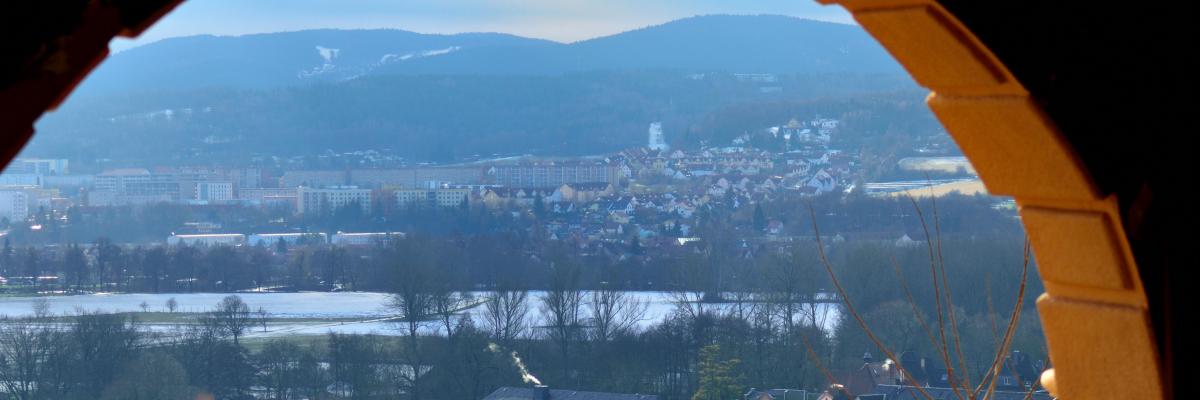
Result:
pixel 942 164
pixel 312 312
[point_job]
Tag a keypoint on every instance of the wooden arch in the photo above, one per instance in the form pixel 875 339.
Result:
pixel 1095 311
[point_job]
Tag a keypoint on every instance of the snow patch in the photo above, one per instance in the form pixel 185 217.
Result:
pixel 387 58
pixel 448 50
pixel 328 53
pixel 349 72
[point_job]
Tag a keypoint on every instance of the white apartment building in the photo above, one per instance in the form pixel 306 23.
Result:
pixel 11 179
pixel 430 198
pixel 364 239
pixel 550 174
pixel 38 166
pixel 14 205
pixel 230 239
pixel 136 186
pixel 133 186
pixel 326 200
pixel 214 191
pixel 270 239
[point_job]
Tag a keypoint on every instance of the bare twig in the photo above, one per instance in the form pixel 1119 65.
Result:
pixel 1002 352
pixel 912 303
pixel 816 359
pixel 944 349
pixel 1034 386
pixel 937 226
pixel 991 310
pixel 850 305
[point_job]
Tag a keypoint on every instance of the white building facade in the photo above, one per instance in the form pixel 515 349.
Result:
pixel 214 191
pixel 431 198
pixel 14 205
pixel 327 200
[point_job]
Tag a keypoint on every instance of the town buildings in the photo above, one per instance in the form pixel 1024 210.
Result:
pixel 645 191
pixel 14 205
pixel 38 166
pixel 207 239
pixel 441 197
pixel 271 239
pixel 543 174
pixel 268 197
pixel 415 177
pixel 363 238
pixel 139 186
pixel 214 191
pixel 329 199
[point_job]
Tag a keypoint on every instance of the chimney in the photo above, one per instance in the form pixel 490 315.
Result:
pixel 541 392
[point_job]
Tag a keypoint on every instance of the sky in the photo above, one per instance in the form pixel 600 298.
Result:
pixel 558 20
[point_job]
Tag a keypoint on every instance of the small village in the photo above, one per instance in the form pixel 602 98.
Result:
pixel 652 192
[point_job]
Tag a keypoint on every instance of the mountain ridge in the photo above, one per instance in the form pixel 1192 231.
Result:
pixel 728 43
pixel 440 98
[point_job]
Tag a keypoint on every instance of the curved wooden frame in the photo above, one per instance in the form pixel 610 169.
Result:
pixel 1094 311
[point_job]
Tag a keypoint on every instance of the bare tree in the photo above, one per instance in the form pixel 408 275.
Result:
pixel 262 318
pixel 506 314
pixel 233 316
pixel 447 302
pixel 561 306
pixel 41 308
pixel 24 348
pixel 688 275
pixel 613 312
pixel 172 304
pixel 792 288
pixel 413 301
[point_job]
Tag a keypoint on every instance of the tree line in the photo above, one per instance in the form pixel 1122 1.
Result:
pixel 764 326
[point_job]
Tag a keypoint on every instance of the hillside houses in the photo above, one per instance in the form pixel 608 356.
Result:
pixel 640 191
pixel 498 197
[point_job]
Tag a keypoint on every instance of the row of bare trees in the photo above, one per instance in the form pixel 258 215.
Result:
pixel 90 355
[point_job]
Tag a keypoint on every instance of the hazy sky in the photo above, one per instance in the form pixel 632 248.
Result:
pixel 560 20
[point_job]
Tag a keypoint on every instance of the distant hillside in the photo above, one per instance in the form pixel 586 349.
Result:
pixel 746 44
pixel 444 118
pixel 277 59
pixel 446 97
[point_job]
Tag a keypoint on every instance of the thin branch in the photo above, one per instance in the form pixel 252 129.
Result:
pixel 991 310
pixel 850 305
pixel 1012 325
pixel 937 227
pixel 1034 386
pixel 816 359
pixel 912 303
pixel 944 349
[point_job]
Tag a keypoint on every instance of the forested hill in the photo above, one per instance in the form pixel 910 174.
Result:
pixel 745 44
pixel 447 118
pixel 448 97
